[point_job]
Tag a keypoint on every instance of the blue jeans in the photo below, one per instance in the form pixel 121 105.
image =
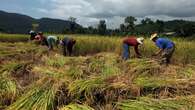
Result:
pixel 126 52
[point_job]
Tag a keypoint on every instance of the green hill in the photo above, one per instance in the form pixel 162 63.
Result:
pixel 21 24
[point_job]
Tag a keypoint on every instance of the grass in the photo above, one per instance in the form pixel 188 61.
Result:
pixel 187 72
pixel 86 86
pixel 76 107
pixel 95 44
pixel 16 37
pixel 90 80
pixel 41 97
pixel 145 103
pixel 8 90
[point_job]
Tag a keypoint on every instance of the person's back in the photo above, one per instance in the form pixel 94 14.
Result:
pixel 166 48
pixel 52 41
pixel 131 41
pixel 68 44
pixel 41 39
pixel 66 41
pixel 38 37
pixel 164 43
pixel 52 37
pixel 32 35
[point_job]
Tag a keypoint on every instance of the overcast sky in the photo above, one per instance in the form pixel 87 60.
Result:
pixel 89 12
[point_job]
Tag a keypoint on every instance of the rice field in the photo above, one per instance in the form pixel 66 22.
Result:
pixel 95 77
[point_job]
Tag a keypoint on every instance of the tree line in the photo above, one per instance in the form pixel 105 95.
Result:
pixel 146 27
pixel 14 23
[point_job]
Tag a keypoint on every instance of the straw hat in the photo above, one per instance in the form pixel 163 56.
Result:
pixel 140 40
pixel 153 36
pixel 32 32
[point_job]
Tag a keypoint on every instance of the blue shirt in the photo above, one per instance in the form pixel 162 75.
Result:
pixel 163 43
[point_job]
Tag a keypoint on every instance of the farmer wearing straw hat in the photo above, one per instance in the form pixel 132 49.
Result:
pixel 52 41
pixel 41 39
pixel 166 48
pixel 32 34
pixel 67 44
pixel 131 41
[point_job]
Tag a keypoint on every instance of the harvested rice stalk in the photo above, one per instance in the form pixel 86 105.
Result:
pixel 55 61
pixel 187 72
pixel 150 82
pixel 76 73
pixel 86 87
pixel 144 66
pixel 49 71
pixel 40 97
pixel 76 107
pixel 145 103
pixel 104 64
pixel 8 90
pixel 16 69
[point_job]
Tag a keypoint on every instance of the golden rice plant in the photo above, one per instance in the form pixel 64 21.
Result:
pixel 186 72
pixel 88 86
pixel 144 65
pixel 13 38
pixel 8 90
pixel 87 44
pixel 145 103
pixel 40 97
pixel 76 107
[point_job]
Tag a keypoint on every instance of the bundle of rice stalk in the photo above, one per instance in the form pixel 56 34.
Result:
pixel 111 65
pixel 76 107
pixel 8 90
pixel 95 65
pixel 145 103
pixel 49 72
pixel 76 72
pixel 110 70
pixel 104 64
pixel 55 61
pixel 144 66
pixel 40 97
pixel 151 82
pixel 10 67
pixel 86 86
pixel 187 72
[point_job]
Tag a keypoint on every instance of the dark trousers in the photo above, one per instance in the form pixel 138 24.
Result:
pixel 67 50
pixel 166 55
pixel 126 52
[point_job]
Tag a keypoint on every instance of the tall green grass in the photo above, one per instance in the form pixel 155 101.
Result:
pixel 86 45
pixel 13 38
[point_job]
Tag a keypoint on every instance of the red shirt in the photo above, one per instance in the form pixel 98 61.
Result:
pixel 132 41
pixel 39 37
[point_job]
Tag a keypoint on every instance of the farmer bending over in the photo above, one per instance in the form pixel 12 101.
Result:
pixel 41 39
pixel 67 44
pixel 166 48
pixel 32 34
pixel 52 41
pixel 131 41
